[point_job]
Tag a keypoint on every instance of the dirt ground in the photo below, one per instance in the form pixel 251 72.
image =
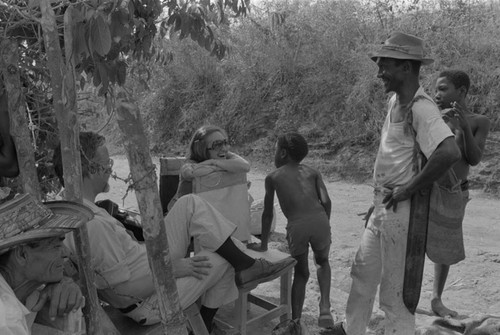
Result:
pixel 472 286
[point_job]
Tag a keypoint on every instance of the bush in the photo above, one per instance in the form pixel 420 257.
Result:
pixel 303 65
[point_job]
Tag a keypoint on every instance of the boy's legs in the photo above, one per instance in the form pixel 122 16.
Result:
pixel 440 276
pixel 300 278
pixel 324 280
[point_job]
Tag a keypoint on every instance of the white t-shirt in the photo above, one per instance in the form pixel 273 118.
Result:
pixel 120 263
pixel 394 163
pixel 13 314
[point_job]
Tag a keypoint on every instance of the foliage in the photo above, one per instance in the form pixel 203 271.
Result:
pixel 111 39
pixel 303 65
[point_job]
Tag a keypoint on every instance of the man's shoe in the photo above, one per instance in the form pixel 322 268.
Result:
pixel 262 269
pixel 338 329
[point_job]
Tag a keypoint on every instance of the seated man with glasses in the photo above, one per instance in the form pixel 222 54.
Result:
pixel 123 275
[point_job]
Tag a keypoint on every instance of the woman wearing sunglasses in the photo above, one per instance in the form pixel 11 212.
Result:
pixel 208 152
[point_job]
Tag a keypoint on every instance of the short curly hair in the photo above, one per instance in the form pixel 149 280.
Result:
pixel 294 144
pixel 457 78
pixel 89 142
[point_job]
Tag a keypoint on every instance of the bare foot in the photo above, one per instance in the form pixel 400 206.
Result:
pixel 441 310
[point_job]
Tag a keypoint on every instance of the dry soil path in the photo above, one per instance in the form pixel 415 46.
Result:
pixel 473 285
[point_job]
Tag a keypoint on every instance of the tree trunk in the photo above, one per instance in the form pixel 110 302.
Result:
pixel 19 125
pixel 146 188
pixel 64 102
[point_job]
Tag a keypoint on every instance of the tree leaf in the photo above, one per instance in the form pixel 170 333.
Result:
pixel 121 72
pixel 100 36
pixel 103 73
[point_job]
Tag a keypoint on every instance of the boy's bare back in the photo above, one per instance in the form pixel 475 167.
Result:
pixel 300 190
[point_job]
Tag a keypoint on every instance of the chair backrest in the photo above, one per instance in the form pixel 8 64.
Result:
pixel 228 193
pixel 169 179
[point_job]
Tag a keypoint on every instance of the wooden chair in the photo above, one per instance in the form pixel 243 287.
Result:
pixel 242 325
pixel 204 187
pixel 228 193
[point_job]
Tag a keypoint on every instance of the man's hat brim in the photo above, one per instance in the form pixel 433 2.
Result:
pixel 67 216
pixel 398 55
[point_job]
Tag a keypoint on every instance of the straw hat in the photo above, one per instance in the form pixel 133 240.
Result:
pixel 402 46
pixel 25 219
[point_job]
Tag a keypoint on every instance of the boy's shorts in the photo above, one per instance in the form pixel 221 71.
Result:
pixel 313 229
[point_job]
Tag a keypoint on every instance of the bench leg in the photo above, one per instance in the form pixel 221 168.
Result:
pixel 241 313
pixel 195 320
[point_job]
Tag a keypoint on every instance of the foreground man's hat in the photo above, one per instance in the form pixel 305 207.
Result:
pixel 25 219
pixel 402 46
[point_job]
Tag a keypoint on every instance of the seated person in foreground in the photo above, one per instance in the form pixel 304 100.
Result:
pixel 31 261
pixel 208 152
pixel 123 275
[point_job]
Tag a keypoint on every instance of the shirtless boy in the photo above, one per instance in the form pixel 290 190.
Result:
pixel 305 203
pixel 470 134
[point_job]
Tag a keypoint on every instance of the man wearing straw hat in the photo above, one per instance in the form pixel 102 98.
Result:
pixel 31 260
pixel 413 124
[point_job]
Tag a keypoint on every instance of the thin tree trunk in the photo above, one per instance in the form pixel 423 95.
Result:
pixel 64 102
pixel 19 125
pixel 146 188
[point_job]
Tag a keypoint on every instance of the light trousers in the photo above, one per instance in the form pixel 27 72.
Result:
pixel 192 216
pixel 380 260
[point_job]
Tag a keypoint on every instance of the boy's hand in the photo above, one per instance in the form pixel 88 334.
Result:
pixel 459 115
pixel 257 247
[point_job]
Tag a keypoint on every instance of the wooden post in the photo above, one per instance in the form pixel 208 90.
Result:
pixel 64 102
pixel 19 125
pixel 146 188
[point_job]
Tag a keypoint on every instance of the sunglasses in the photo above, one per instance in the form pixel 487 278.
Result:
pixel 218 144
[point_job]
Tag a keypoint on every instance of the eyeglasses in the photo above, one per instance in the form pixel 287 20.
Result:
pixel 106 167
pixel 219 144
